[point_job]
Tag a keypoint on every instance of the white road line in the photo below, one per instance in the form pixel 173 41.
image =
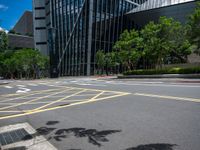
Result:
pixel 168 97
pixel 83 84
pixel 44 83
pixel 161 85
pixel 8 87
pixel 32 84
pixel 51 85
pixel 21 85
pixel 97 85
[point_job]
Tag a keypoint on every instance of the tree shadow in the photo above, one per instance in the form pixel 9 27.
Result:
pixel 40 131
pixel 49 123
pixel 157 146
pixel 94 136
pixel 44 130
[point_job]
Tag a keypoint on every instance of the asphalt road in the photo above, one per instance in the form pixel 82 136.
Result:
pixel 107 114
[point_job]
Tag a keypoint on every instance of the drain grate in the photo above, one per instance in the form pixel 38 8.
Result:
pixel 14 136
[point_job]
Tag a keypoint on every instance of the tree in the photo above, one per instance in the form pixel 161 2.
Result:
pixel 174 34
pixel 3 41
pixel 194 28
pixel 153 47
pixel 110 61
pixel 12 31
pixel 164 40
pixel 10 67
pixel 1 64
pixel 100 61
pixel 128 48
pixel 28 63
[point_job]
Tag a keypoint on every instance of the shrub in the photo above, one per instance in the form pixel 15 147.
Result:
pixel 193 70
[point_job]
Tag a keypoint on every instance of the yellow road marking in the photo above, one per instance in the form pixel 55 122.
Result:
pixel 59 100
pixel 13 111
pixel 33 92
pixel 40 102
pixel 57 96
pixel 19 104
pixel 94 98
pixel 90 89
pixel 168 97
pixel 59 107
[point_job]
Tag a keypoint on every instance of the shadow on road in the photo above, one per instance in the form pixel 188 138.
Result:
pixel 94 136
pixel 158 146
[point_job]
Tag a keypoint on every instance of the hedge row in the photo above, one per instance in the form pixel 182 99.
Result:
pixel 194 70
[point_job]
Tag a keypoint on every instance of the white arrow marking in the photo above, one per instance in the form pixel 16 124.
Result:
pixel 23 90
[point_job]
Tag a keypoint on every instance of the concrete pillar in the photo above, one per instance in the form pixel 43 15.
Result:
pixel 89 37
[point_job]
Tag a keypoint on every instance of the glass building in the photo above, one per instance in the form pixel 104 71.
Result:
pixel 77 29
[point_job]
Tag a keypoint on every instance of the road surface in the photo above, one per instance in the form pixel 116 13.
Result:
pixel 107 114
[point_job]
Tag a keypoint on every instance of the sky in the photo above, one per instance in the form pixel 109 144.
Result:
pixel 11 11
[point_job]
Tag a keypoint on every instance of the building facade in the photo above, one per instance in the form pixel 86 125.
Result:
pixel 20 41
pixel 24 25
pixel 39 26
pixel 77 29
pixel 21 36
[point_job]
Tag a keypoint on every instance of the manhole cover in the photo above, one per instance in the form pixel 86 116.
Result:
pixel 14 136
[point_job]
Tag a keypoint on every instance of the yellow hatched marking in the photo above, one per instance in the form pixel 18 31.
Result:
pixel 59 100
pixel 3 108
pixel 40 102
pixel 30 93
pixel 59 107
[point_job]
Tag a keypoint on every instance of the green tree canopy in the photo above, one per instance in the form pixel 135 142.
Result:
pixel 3 41
pixel 194 27
pixel 100 60
pixel 22 63
pixel 165 39
pixel 128 48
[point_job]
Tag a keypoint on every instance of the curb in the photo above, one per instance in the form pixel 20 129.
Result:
pixel 189 76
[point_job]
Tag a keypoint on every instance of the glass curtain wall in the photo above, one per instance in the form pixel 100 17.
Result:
pixel 152 4
pixel 69 20
pixel 82 27
pixel 108 24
